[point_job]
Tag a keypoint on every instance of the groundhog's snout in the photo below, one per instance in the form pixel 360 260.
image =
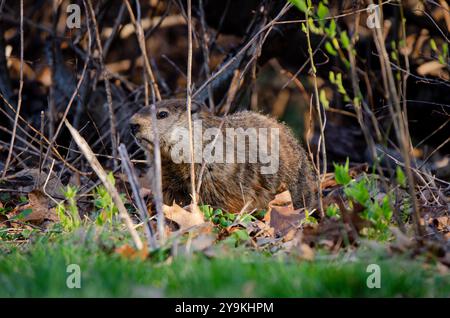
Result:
pixel 134 128
pixel 135 124
pixel 139 125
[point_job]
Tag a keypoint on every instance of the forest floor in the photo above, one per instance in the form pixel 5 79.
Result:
pixel 355 250
pixel 39 270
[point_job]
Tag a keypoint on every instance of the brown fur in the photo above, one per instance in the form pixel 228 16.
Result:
pixel 226 185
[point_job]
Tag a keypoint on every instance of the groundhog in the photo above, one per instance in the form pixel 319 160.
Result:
pixel 248 158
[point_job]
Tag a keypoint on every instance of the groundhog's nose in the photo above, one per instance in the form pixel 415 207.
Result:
pixel 134 128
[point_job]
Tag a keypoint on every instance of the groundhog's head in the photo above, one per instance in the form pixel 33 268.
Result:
pixel 171 116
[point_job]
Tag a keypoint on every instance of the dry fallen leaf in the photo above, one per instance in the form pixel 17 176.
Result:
pixel 183 218
pixel 282 199
pixel 36 210
pixel 281 215
pixel 430 68
pixel 283 219
pixel 129 252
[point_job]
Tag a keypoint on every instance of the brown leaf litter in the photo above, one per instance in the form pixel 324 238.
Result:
pixel 182 217
pixel 36 211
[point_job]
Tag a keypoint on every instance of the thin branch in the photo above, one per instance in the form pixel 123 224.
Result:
pixel 112 117
pixel 74 94
pixel 244 49
pixel 399 120
pixel 96 166
pixel 321 143
pixel 148 74
pixel 189 102
pixel 19 103
pixel 117 23
pixel 26 133
pixel 132 178
pixel 141 40
pixel 205 50
pixel 157 178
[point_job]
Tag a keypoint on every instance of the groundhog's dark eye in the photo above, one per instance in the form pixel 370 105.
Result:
pixel 162 115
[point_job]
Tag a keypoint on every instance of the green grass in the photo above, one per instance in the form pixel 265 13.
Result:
pixel 39 270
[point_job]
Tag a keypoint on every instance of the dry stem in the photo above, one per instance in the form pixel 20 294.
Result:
pixel 97 167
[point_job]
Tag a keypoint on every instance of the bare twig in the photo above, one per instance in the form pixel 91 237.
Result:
pixel 157 182
pixel 2 5
pixel 399 120
pixel 232 90
pixel 189 102
pixel 72 98
pixel 117 23
pixel 360 105
pixel 141 40
pixel 205 50
pixel 132 178
pixel 19 103
pixel 25 132
pixel 266 28
pixel 112 117
pixel 44 187
pixel 321 143
pixel 41 150
pixel 96 166
pixel 158 195
pixel 234 86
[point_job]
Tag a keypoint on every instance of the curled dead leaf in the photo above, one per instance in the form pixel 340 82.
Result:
pixel 281 215
pixel 283 199
pixel 183 218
